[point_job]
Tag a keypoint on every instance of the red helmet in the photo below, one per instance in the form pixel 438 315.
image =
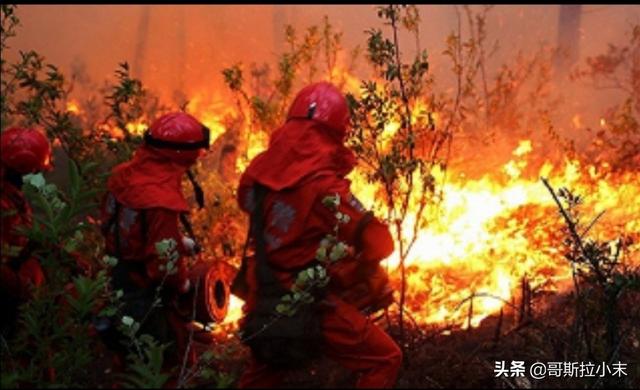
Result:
pixel 25 150
pixel 324 103
pixel 178 136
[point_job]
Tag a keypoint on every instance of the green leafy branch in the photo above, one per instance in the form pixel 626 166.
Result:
pixel 394 133
pixel 145 371
pixel 307 282
pixel 618 141
pixel 60 218
pixel 59 314
pixel 596 266
pixel 126 99
pixel 312 279
pixel 167 251
pixel 264 97
pixel 147 355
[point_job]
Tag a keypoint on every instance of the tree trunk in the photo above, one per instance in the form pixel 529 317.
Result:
pixel 179 94
pixel 141 44
pixel 280 19
pixel 568 38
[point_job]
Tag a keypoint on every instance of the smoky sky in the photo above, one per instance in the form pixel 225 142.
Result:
pixel 184 48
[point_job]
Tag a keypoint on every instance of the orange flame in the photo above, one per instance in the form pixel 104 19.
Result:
pixel 487 235
pixel 483 237
pixel 73 107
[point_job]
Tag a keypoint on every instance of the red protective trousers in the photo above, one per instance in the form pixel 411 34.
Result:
pixel 350 339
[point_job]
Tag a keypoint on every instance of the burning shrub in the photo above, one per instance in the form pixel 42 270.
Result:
pixel 617 143
pixel 394 136
pixel 601 277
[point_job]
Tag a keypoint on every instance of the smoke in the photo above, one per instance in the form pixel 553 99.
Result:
pixel 179 51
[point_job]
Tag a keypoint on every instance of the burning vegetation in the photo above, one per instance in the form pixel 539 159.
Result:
pixel 515 238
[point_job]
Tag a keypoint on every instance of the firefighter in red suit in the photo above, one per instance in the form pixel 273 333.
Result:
pixel 305 162
pixel 23 151
pixel 143 206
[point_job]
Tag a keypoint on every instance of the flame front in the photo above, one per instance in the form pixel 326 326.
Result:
pixel 487 234
pixel 484 236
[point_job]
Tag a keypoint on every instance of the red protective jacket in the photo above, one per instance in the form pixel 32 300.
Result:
pixel 303 165
pixel 18 271
pixel 139 230
pixel 297 221
pixel 146 194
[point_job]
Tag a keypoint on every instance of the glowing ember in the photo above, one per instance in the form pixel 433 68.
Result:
pixel 72 107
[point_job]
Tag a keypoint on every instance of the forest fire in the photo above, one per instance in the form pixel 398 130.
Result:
pixel 483 238
pixel 444 190
pixel 487 235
